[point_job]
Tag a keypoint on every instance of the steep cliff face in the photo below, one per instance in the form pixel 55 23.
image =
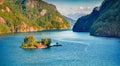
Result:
pixel 108 23
pixel 84 23
pixel 29 15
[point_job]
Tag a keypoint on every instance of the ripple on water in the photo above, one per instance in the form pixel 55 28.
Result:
pixel 78 49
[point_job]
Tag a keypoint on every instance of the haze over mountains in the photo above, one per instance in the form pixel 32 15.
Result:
pixel 70 20
pixel 75 8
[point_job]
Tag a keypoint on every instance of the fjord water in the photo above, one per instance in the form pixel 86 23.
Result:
pixel 78 49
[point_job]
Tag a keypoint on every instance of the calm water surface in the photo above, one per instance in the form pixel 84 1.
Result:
pixel 78 49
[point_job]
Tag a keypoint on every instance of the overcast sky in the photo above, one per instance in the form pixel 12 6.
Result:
pixel 71 7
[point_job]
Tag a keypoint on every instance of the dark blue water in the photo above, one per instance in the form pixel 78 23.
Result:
pixel 78 49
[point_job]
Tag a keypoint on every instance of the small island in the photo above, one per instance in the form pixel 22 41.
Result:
pixel 31 42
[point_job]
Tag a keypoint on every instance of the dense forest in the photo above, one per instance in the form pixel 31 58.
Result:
pixel 29 15
pixel 103 22
pixel 108 23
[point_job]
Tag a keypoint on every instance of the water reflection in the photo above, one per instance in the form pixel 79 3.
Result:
pixel 77 49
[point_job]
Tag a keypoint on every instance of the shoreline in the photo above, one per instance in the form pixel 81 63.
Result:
pixel 34 31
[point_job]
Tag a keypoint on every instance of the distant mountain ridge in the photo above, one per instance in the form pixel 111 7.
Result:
pixel 70 20
pixel 107 22
pixel 29 15
pixel 75 16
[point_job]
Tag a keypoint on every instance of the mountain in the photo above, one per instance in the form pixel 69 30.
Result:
pixel 108 23
pixel 29 15
pixel 75 16
pixel 84 23
pixel 70 20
